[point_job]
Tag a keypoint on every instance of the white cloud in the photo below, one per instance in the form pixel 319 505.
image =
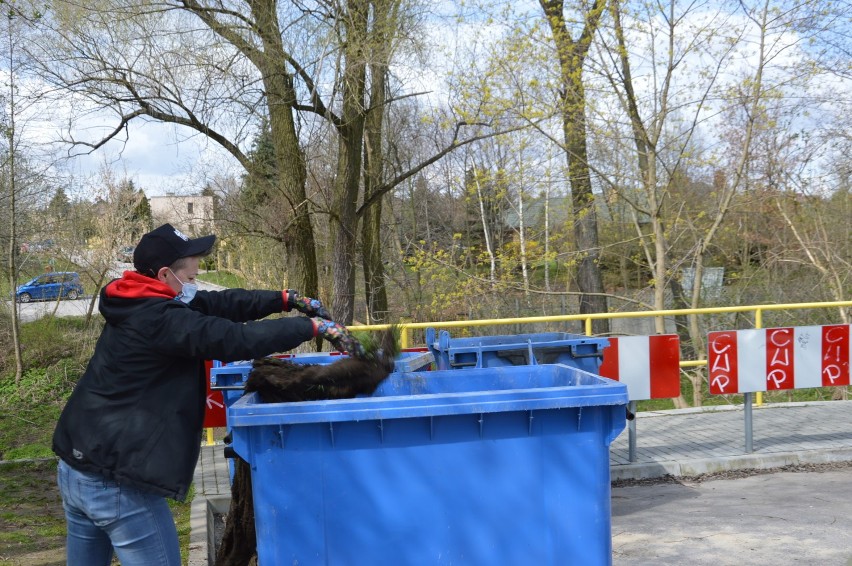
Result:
pixel 159 158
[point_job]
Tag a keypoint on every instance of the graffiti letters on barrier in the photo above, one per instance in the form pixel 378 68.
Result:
pixel 775 359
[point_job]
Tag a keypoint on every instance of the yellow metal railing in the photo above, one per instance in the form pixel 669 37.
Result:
pixel 588 318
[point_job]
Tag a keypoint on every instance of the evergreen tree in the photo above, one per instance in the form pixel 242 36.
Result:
pixel 59 206
pixel 141 217
pixel 263 174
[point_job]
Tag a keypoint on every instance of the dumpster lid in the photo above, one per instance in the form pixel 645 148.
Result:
pixel 423 394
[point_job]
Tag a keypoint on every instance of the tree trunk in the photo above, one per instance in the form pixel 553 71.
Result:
pixel 686 349
pixel 571 57
pixel 13 268
pixel 12 184
pixel 589 276
pixel 298 236
pixel 522 236
pixel 347 180
pixel 486 232
pixel 547 236
pixel 371 223
pixel 384 26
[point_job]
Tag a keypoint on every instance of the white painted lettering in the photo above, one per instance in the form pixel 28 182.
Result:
pixel 832 353
pixel 832 372
pixel 721 363
pixel 835 334
pixel 776 337
pixel 777 377
pixel 780 358
pixel 721 382
pixel 716 345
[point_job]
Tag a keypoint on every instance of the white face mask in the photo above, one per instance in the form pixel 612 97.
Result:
pixel 187 292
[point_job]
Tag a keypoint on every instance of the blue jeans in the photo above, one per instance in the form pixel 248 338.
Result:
pixel 103 516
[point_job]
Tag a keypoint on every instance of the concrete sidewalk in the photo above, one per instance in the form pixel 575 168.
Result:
pixel 687 442
pixel 691 442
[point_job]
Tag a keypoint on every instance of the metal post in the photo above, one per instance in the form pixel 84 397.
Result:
pixel 631 432
pixel 748 423
pixel 404 339
pixel 758 323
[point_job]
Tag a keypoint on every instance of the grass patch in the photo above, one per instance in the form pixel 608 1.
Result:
pixel 224 278
pixel 182 512
pixel 787 396
pixel 30 451
pixel 27 432
pixel 55 352
pixel 52 531
pixel 16 539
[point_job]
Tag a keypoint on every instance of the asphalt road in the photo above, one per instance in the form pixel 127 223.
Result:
pixel 78 307
pixel 768 519
pixel 65 307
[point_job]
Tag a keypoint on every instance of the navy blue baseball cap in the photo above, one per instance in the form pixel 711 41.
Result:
pixel 165 245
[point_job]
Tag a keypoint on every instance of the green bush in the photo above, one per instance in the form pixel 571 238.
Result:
pixel 55 353
pixel 224 278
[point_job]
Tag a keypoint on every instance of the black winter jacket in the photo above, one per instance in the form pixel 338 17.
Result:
pixel 136 415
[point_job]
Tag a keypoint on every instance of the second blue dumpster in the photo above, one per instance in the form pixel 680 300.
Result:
pixel 576 350
pixel 505 465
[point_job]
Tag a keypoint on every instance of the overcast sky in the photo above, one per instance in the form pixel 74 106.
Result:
pixel 159 159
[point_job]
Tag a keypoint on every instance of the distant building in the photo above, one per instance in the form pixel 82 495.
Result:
pixel 192 214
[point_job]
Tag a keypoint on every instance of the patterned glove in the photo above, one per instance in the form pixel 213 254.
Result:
pixel 305 305
pixel 339 337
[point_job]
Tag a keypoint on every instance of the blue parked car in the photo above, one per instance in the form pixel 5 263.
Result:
pixel 65 284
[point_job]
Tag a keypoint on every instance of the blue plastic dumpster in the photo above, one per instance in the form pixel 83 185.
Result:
pixel 575 350
pixel 506 465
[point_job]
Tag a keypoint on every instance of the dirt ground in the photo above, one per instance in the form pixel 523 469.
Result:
pixel 32 524
pixel 735 474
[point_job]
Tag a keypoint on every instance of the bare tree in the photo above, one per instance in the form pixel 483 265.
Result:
pixel 385 27
pixel 659 162
pixel 818 248
pixel 153 62
pixel 23 164
pixel 571 53
pixel 9 174
pixel 296 67
pixel 112 222
pixel 665 124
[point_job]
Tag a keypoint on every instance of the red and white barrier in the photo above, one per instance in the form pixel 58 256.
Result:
pixel 771 359
pixel 648 365
pixel 214 414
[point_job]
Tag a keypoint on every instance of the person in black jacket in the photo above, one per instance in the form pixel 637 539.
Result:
pixel 130 434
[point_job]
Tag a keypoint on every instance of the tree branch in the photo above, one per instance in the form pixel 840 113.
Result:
pixel 380 191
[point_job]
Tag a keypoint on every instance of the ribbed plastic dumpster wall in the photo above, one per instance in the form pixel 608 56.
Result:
pixel 575 350
pixel 493 466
